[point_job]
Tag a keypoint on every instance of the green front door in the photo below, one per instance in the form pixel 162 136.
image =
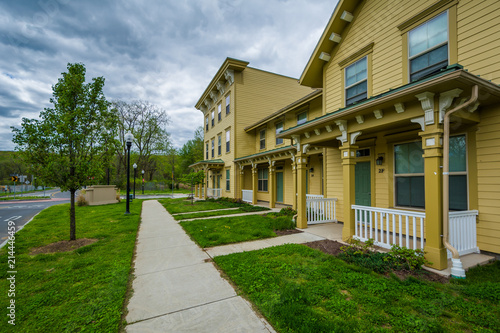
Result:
pixel 362 187
pixel 279 186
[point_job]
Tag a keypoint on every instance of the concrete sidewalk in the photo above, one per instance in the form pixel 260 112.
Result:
pixel 176 287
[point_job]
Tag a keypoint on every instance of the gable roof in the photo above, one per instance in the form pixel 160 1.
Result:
pixel 312 74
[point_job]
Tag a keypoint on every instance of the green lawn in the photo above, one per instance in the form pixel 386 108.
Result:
pixel 181 205
pixel 220 212
pixel 82 290
pixel 235 229
pixel 138 191
pixel 299 289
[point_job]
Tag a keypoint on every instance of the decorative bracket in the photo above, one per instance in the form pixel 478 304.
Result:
pixel 420 121
pixel 427 101
pixel 213 95
pixel 307 135
pixel 354 136
pixel 473 107
pixel 329 128
pixel 296 138
pixel 342 124
pixel 400 107
pixel 317 131
pixel 229 76
pixel 305 148
pixel 378 114
pixel 360 119
pixel 445 100
pixel 220 86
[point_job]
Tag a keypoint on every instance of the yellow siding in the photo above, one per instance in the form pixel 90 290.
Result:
pixel 314 180
pixel 334 179
pixel 488 180
pixel 288 193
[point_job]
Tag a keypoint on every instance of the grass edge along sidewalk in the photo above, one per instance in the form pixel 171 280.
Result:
pixel 299 289
pixel 80 290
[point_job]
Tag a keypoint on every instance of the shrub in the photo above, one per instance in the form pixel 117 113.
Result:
pixel 288 211
pixel 402 258
pixel 80 199
pixel 282 223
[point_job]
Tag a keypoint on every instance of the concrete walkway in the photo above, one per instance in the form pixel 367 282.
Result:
pixel 176 287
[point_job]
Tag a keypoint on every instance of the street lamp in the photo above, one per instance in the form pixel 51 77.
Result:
pixel 135 176
pixel 129 137
pixel 142 181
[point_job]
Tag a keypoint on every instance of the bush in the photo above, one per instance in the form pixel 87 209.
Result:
pixel 282 223
pixel 402 258
pixel 80 199
pixel 288 211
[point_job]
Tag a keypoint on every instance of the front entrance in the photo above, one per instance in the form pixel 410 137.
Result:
pixel 362 184
pixel 279 187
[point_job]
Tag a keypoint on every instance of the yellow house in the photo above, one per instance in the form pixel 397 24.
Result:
pixel 237 96
pixel 392 74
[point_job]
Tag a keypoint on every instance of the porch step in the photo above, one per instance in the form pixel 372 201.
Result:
pixel 468 261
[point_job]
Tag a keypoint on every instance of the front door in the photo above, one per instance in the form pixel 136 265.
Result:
pixel 279 186
pixel 362 184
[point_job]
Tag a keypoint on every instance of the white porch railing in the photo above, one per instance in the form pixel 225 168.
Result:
pixel 247 195
pixel 463 232
pixel 320 210
pixel 389 226
pixel 213 192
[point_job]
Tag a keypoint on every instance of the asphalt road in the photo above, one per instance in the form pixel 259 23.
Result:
pixel 22 211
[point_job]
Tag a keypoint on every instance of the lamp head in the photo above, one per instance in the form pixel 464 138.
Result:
pixel 135 166
pixel 129 137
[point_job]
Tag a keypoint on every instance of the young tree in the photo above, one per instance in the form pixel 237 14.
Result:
pixel 193 179
pixel 192 151
pixel 73 140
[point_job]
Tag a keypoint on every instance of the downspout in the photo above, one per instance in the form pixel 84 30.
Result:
pixel 457 270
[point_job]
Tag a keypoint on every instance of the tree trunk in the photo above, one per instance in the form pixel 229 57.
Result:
pixel 72 217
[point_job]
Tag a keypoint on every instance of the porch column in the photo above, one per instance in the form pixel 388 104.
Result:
pixel 206 183
pixel 200 186
pixel 348 154
pixel 195 191
pixel 271 186
pixel 433 160
pixel 301 160
pixel 241 180
pixel 294 176
pixel 254 183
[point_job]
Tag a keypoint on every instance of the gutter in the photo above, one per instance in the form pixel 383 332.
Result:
pixel 457 270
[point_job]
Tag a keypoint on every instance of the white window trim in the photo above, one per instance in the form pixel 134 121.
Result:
pixel 352 85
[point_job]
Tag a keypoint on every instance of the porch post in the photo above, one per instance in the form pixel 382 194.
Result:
pixel 294 176
pixel 206 184
pixel 301 160
pixel 348 154
pixel 272 189
pixel 241 180
pixel 200 186
pixel 254 183
pixel 433 160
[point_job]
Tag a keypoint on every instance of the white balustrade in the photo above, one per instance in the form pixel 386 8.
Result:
pixel 213 192
pixel 320 210
pixel 463 232
pixel 247 195
pixel 389 226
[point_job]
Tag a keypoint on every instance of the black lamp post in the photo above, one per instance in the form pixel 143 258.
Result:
pixel 135 176
pixel 129 137
pixel 142 181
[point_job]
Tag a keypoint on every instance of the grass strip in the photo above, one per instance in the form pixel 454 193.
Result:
pixel 235 229
pixel 81 290
pixel 299 289
pixel 220 212
pixel 183 205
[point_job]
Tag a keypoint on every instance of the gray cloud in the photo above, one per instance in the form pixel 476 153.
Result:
pixel 163 51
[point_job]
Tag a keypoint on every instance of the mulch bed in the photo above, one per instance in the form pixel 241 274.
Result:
pixel 333 248
pixel 287 232
pixel 63 246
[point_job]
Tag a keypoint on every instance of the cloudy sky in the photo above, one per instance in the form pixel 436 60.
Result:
pixel 162 51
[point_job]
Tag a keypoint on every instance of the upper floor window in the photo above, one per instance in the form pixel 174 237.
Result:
pixel 213 118
pixel 301 118
pixel 228 103
pixel 219 145
pixel 206 123
pixel 228 137
pixel 219 112
pixel 428 47
pixel 279 129
pixel 356 83
pixel 262 138
pixel 213 150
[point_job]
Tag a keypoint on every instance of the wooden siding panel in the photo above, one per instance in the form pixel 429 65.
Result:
pixel 334 179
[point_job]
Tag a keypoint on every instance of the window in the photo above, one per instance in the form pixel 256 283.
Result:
pixel 428 47
pixel 458 173
pixel 219 112
pixel 356 83
pixel 207 152
pixel 409 175
pixel 219 145
pixel 301 118
pixel 262 180
pixel 228 103
pixel 206 123
pixel 213 142
pixel 213 118
pixel 279 129
pixel 262 138
pixel 228 180
pixel 228 137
